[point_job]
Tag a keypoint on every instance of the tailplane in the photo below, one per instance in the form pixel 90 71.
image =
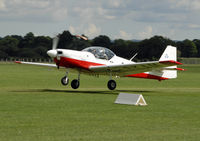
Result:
pixel 170 54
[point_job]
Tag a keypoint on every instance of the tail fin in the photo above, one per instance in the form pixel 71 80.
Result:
pixel 169 54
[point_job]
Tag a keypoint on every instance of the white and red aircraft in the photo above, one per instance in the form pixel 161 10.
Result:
pixel 102 61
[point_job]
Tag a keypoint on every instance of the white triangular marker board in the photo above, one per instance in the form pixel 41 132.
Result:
pixel 130 99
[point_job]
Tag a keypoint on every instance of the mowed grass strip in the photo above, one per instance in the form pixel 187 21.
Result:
pixel 35 106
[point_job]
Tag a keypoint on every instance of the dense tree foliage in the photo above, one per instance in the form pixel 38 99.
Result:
pixel 188 48
pixel 31 46
pixel 197 43
pixel 101 40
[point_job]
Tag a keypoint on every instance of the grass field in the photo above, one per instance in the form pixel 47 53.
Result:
pixel 34 106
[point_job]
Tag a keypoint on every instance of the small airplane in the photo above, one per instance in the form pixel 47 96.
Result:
pixel 96 60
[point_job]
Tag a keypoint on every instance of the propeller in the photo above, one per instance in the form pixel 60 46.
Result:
pixel 54 52
pixel 82 37
pixel 55 42
pixel 54 47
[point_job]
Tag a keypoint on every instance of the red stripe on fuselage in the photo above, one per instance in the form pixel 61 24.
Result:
pixel 147 76
pixel 74 63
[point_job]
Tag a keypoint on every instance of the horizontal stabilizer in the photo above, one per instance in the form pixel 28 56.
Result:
pixel 169 57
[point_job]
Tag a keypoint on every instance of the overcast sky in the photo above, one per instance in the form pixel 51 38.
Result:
pixel 126 19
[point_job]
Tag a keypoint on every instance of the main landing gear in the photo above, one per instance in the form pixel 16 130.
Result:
pixel 111 84
pixel 74 84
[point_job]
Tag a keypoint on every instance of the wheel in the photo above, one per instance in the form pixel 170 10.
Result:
pixel 112 84
pixel 65 80
pixel 75 84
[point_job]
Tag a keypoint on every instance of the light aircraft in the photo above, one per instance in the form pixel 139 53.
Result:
pixel 97 61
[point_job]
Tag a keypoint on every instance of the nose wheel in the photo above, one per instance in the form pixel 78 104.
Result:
pixel 74 84
pixel 111 84
pixel 65 80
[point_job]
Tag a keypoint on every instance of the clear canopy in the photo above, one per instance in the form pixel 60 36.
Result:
pixel 100 52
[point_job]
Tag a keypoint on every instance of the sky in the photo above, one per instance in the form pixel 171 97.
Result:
pixel 125 19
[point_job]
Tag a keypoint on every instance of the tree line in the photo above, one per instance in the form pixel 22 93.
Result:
pixel 31 46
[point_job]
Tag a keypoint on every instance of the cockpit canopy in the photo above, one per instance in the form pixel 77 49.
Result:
pixel 100 52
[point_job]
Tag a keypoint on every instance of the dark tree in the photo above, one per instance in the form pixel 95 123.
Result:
pixel 148 49
pixel 79 44
pixel 197 43
pixel 9 45
pixel 152 48
pixel 43 41
pixel 187 48
pixel 28 53
pixel 19 38
pixel 65 39
pixel 102 40
pixel 3 54
pixel 119 47
pixel 27 41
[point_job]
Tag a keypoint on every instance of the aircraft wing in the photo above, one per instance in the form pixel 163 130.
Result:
pixel 133 68
pixel 38 64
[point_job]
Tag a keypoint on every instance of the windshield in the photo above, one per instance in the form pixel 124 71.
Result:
pixel 100 52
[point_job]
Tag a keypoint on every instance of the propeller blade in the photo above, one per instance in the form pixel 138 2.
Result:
pixel 58 58
pixel 82 37
pixel 55 42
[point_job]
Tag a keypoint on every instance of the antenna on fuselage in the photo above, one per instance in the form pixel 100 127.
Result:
pixel 133 56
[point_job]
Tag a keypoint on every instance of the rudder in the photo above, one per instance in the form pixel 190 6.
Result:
pixel 170 53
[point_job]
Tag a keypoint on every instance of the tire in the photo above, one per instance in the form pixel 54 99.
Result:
pixel 111 84
pixel 75 84
pixel 65 80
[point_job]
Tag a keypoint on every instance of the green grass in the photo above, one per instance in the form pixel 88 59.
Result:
pixel 35 106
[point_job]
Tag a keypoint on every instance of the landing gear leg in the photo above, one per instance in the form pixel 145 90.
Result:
pixel 65 79
pixel 111 83
pixel 76 82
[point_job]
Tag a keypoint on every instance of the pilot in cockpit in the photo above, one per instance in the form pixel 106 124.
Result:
pixel 103 54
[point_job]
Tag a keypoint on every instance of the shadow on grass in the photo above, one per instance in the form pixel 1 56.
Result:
pixel 114 92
